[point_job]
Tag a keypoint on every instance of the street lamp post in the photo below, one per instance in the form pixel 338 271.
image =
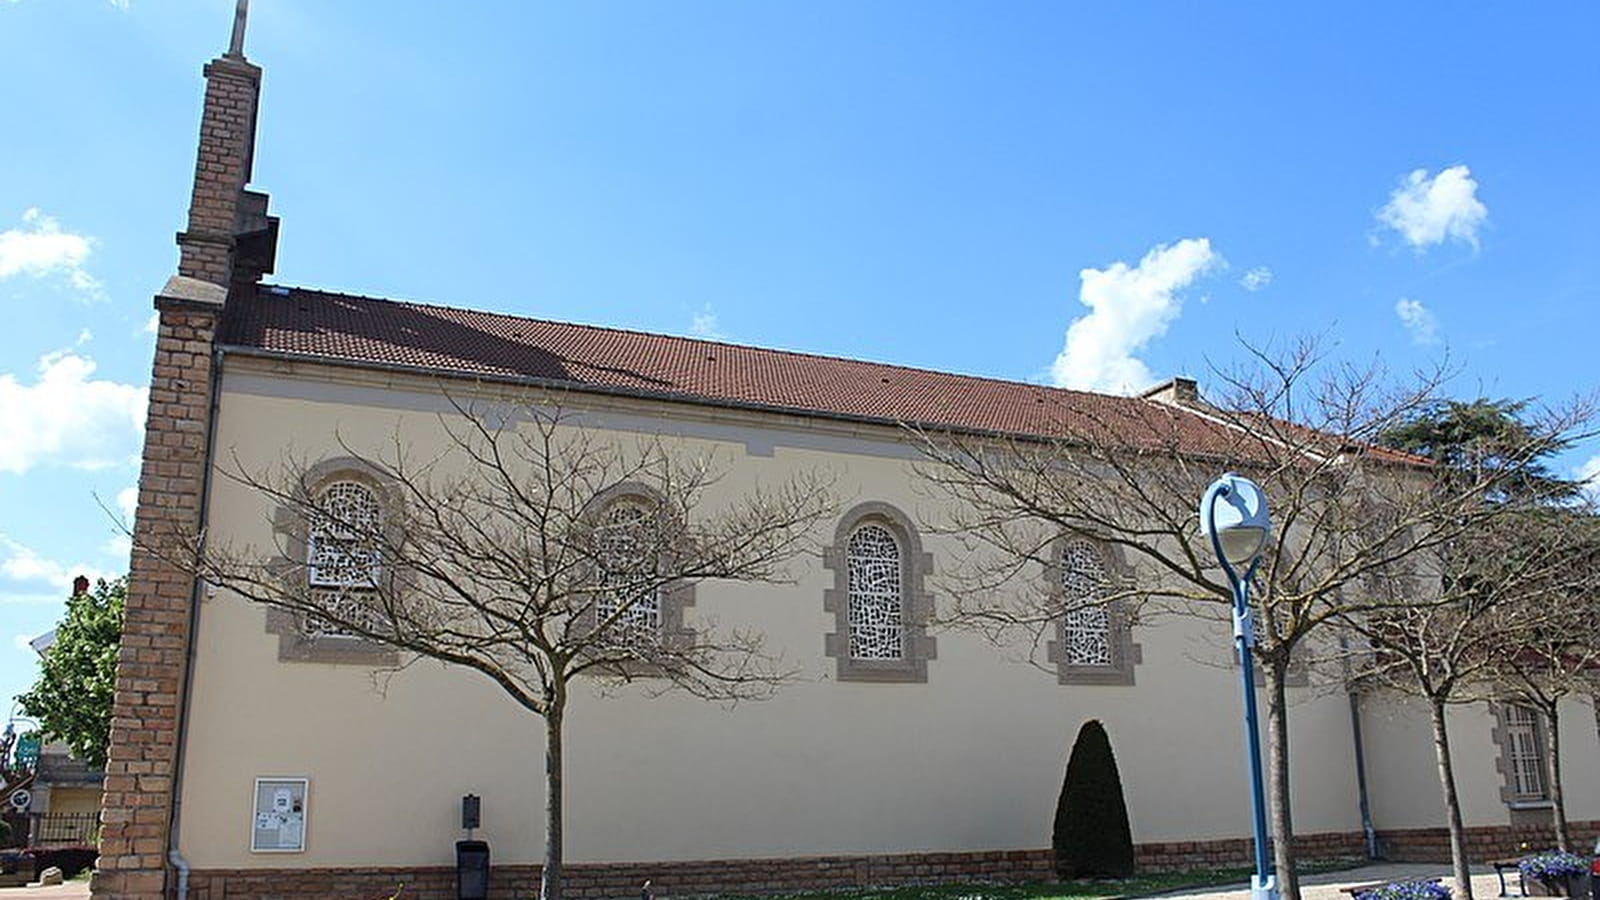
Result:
pixel 1233 514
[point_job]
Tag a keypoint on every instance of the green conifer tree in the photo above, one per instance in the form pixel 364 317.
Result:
pixel 1092 838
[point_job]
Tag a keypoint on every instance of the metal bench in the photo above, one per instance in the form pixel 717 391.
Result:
pixel 1500 867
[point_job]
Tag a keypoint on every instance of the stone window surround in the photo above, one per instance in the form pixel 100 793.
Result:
pixel 294 645
pixel 916 603
pixel 674 597
pixel 1524 811
pixel 1125 654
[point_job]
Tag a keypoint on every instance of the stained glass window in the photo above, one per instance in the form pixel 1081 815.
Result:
pixel 629 592
pixel 873 559
pixel 344 559
pixel 342 545
pixel 1083 594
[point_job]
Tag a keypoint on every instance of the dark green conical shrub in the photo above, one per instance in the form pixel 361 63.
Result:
pixel 1092 838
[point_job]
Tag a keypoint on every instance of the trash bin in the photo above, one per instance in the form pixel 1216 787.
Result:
pixel 472 870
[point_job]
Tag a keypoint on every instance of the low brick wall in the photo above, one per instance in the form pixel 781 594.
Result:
pixel 623 880
pixel 1179 855
pixel 1484 842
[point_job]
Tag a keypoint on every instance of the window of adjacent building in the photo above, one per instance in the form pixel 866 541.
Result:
pixel 1524 753
pixel 874 561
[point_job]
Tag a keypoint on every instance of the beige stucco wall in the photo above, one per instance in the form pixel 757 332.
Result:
pixel 1405 780
pixel 972 759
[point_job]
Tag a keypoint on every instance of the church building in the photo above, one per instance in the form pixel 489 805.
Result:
pixel 256 753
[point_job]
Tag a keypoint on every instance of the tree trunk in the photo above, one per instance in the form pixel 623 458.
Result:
pixel 550 876
pixel 1452 803
pixel 1283 857
pixel 1552 763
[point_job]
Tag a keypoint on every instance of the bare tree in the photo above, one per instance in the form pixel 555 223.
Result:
pixel 1130 474
pixel 534 551
pixel 1494 590
pixel 1516 590
pixel 1553 656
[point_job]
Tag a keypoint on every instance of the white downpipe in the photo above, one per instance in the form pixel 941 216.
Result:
pixel 182 865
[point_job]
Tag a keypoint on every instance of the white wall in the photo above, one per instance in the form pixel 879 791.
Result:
pixel 973 759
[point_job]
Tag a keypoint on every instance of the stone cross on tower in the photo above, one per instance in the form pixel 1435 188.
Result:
pixel 241 12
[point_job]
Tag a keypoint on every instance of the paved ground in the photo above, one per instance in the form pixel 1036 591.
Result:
pixel 1327 885
pixel 72 890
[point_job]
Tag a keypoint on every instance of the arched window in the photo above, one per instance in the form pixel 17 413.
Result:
pixel 628 604
pixel 880 607
pixel 333 538
pixel 1094 641
pixel 341 546
pixel 873 558
pixel 344 558
pixel 634 615
pixel 1083 593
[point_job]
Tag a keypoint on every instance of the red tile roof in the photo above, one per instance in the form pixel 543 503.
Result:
pixel 361 330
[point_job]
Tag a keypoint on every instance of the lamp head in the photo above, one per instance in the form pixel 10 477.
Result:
pixel 1237 509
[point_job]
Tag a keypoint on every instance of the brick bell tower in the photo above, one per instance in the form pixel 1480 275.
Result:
pixel 229 243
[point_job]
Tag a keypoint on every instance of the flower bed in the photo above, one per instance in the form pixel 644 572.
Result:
pixel 1556 873
pixel 1553 865
pixel 1407 890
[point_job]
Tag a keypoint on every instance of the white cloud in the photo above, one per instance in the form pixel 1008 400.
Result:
pixel 22 564
pixel 705 325
pixel 119 547
pixel 1428 211
pixel 67 417
pixel 1127 308
pixel 40 248
pixel 23 642
pixel 1589 474
pixel 1256 279
pixel 127 502
pixel 153 326
pixel 1420 321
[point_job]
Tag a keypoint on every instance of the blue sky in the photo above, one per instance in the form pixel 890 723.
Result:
pixel 1092 194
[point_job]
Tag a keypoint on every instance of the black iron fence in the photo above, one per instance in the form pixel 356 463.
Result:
pixel 53 830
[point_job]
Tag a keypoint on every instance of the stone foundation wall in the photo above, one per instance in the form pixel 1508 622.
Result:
pixel 1484 842
pixel 677 879
pixel 623 880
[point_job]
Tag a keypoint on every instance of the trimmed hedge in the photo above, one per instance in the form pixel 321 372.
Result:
pixel 1092 838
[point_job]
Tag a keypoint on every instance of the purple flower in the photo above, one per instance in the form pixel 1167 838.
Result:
pixel 1553 865
pixel 1407 890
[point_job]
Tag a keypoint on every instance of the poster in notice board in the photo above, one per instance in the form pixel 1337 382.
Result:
pixel 280 816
